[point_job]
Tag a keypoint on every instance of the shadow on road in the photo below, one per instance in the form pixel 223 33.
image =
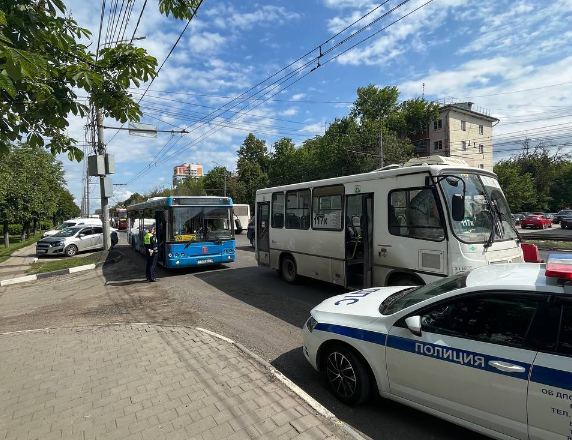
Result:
pixel 261 288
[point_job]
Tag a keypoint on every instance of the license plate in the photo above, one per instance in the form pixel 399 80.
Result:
pixel 205 261
pixel 41 251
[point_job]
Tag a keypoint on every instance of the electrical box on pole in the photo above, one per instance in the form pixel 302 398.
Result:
pixel 96 165
pixel 107 187
pixel 109 164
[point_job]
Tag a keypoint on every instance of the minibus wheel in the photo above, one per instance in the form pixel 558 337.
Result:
pixel 288 269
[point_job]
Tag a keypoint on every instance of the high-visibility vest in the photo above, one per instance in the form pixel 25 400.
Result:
pixel 147 238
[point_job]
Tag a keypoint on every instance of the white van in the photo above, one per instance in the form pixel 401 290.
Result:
pixel 242 214
pixel 74 222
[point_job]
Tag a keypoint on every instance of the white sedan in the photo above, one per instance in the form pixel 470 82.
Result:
pixel 490 350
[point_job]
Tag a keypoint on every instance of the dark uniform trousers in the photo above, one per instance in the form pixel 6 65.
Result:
pixel 151 258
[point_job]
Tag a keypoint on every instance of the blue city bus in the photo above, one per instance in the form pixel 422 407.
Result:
pixel 191 230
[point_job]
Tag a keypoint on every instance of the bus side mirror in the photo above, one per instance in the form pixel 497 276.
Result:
pixel 458 207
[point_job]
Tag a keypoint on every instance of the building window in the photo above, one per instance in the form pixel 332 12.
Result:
pixel 277 210
pixel 481 149
pixel 481 166
pixel 415 213
pixel 298 209
pixel 464 125
pixel 463 145
pixel 437 125
pixel 438 145
pixel 327 208
pixel 481 129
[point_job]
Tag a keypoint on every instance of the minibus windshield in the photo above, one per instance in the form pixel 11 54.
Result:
pixel 485 207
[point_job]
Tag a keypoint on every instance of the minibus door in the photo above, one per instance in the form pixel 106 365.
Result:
pixel 359 241
pixel 262 231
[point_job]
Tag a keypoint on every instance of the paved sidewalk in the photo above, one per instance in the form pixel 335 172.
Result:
pixel 17 265
pixel 143 382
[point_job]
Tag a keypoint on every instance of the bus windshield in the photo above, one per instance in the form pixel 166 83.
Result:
pixel 199 224
pixel 485 207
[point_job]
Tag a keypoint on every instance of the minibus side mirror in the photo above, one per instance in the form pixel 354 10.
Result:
pixel 458 207
pixel 414 324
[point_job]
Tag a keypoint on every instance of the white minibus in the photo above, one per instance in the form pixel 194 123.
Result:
pixel 242 213
pixel 400 225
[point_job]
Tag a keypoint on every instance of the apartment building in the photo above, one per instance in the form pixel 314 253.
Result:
pixel 181 172
pixel 463 130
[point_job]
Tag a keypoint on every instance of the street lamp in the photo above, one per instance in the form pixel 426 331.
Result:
pixel 380 132
pixel 216 163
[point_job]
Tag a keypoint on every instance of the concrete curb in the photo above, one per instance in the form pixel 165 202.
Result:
pixel 316 406
pixel 55 273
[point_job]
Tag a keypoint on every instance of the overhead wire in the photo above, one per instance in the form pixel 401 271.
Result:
pixel 165 60
pixel 283 79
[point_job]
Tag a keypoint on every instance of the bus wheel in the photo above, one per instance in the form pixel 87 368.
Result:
pixel 289 272
pixel 404 280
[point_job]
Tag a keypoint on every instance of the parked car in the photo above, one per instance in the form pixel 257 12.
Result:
pixel 74 222
pixel 250 234
pixel 536 221
pixel 517 218
pixel 566 221
pixel 560 214
pixel 70 241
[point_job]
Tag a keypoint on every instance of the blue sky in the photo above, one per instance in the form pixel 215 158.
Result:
pixel 511 57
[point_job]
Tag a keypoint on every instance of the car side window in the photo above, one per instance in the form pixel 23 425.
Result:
pixel 497 319
pixel 87 231
pixel 565 337
pixel 97 230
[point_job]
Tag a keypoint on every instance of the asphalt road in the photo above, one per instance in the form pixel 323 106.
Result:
pixel 253 306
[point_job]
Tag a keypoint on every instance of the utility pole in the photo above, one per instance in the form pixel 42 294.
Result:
pixel 104 199
pixel 380 140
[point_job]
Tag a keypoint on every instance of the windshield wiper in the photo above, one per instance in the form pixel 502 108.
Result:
pixel 390 300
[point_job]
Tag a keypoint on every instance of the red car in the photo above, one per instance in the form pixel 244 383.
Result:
pixel 536 221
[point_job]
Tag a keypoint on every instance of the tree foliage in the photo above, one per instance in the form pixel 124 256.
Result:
pixel 43 63
pixel 536 179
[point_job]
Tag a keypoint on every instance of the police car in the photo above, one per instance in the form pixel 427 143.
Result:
pixel 490 350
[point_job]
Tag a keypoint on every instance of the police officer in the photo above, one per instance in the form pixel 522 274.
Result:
pixel 151 250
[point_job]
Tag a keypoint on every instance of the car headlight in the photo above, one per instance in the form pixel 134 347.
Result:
pixel 59 243
pixel 311 324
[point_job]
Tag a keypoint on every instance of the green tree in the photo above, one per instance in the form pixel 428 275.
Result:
pixel 42 63
pixel 519 189
pixel 31 180
pixel 65 206
pixel 190 187
pixel 214 180
pixel 252 166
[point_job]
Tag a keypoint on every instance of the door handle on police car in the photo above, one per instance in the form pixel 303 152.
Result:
pixel 504 366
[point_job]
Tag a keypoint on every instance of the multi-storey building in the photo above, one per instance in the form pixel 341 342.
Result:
pixel 462 130
pixel 183 171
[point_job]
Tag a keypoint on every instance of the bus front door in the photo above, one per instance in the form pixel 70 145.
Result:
pixel 160 233
pixel 262 230
pixel 359 241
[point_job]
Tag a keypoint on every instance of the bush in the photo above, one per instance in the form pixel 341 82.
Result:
pixel 15 229
pixel 45 225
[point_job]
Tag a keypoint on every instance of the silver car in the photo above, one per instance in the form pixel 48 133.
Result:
pixel 70 241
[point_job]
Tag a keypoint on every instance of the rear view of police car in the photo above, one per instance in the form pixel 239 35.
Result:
pixel 489 350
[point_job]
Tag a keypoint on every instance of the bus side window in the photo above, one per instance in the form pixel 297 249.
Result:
pixel 298 209
pixel 415 213
pixel 277 210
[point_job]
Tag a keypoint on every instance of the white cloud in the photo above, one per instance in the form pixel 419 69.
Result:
pixel 314 129
pixel 206 42
pixel 289 112
pixel 298 96
pixel 228 15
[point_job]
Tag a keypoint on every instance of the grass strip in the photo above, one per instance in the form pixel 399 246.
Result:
pixel 43 266
pixel 15 244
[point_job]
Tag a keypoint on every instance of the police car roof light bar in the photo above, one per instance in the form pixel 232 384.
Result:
pixel 559 266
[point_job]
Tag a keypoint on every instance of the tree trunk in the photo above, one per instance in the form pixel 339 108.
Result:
pixel 35 225
pixel 6 235
pixel 54 221
pixel 27 229
pixel 23 234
